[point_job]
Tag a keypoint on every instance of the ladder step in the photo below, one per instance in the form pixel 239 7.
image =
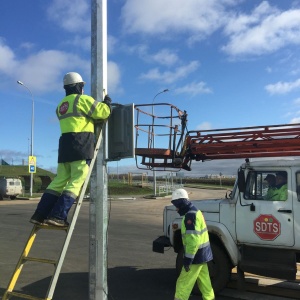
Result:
pixel 51 227
pixel 41 260
pixel 24 296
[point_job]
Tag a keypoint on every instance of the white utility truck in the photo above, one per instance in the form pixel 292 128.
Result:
pixel 248 229
pixel 10 188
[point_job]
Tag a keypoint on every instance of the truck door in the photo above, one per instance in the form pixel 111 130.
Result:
pixel 264 213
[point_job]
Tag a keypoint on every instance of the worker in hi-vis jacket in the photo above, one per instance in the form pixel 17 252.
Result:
pixel 197 250
pixel 76 114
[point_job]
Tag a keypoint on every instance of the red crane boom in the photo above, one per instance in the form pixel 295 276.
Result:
pixel 201 145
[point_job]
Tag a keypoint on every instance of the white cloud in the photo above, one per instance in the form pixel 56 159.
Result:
pixel 71 15
pixel 165 57
pixel 295 121
pixel 173 16
pixel 263 31
pixel 7 61
pixel 111 44
pixel 204 126
pixel 27 46
pixel 283 87
pixel 238 23
pixel 80 42
pixel 171 76
pixel 113 77
pixel 194 88
pixel 269 70
pixel 43 71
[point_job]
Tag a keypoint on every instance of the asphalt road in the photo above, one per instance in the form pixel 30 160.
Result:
pixel 134 271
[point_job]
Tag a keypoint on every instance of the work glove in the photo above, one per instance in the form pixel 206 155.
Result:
pixel 186 263
pixel 107 101
pixel 186 267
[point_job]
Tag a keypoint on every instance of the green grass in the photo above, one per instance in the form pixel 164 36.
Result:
pixel 208 186
pixel 119 188
pixel 19 171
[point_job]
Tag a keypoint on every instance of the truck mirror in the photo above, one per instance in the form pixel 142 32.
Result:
pixel 241 181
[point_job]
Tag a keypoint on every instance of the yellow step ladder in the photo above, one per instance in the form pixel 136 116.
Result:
pixel 69 229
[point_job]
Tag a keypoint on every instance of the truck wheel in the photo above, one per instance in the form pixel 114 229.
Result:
pixel 1 197
pixel 219 268
pixel 12 197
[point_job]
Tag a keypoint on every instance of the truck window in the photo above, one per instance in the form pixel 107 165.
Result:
pixel 253 186
pixel 270 186
pixel 298 184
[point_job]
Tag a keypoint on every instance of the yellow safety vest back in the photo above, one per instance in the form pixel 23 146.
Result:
pixel 76 114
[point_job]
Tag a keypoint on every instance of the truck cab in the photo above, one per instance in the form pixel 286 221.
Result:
pixel 254 228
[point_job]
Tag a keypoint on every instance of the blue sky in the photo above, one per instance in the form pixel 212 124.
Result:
pixel 228 63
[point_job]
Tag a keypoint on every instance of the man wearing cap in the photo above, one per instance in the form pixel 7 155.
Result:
pixel 76 114
pixel 280 193
pixel 197 250
pixel 271 180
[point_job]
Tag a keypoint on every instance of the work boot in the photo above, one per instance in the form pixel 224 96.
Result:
pixel 37 219
pixel 43 209
pixel 57 222
pixel 61 209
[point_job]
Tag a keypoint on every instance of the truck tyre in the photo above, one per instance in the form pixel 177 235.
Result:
pixel 12 197
pixel 1 197
pixel 219 268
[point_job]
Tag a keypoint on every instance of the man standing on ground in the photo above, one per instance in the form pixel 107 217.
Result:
pixel 197 250
pixel 76 113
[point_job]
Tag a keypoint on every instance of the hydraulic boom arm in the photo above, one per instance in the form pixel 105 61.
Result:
pixel 200 145
pixel 245 142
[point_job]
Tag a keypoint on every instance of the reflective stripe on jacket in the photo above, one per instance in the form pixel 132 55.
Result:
pixel 76 114
pixel 195 237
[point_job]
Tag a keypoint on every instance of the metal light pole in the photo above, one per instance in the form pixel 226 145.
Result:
pixel 153 138
pixel 32 126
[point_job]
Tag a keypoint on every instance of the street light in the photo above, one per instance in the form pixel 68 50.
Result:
pixel 32 125
pixel 153 139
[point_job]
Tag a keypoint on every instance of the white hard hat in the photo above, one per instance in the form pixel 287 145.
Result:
pixel 179 194
pixel 72 78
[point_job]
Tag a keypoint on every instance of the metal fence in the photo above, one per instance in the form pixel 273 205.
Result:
pixel 168 189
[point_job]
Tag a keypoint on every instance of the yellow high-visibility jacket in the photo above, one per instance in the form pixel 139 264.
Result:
pixel 76 114
pixel 195 238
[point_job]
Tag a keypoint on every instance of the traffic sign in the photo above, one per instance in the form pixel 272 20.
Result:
pixel 32 164
pixel 267 227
